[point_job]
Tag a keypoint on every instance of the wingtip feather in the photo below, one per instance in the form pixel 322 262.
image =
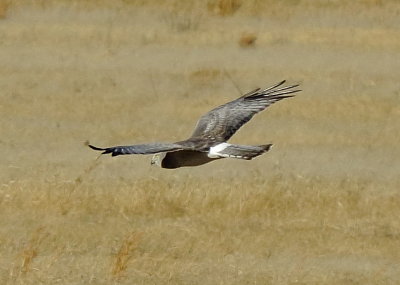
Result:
pixel 104 150
pixel 95 147
pixel 274 91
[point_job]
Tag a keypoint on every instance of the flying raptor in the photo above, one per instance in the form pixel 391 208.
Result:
pixel 209 139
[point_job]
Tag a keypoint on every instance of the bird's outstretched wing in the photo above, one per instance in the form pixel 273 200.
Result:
pixel 221 123
pixel 149 148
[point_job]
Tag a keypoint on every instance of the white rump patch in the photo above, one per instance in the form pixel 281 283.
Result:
pixel 214 151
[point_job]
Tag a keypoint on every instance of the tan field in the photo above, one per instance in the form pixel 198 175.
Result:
pixel 322 207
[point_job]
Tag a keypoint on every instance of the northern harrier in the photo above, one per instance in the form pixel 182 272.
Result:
pixel 209 139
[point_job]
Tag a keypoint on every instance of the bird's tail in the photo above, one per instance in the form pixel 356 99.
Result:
pixel 247 152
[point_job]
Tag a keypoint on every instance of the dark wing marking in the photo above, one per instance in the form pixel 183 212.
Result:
pixel 149 148
pixel 221 123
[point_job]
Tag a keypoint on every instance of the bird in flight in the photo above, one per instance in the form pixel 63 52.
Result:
pixel 209 139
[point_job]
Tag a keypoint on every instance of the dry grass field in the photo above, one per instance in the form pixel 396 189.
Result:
pixel 322 207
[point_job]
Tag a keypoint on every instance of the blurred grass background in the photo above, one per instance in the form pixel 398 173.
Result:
pixel 320 208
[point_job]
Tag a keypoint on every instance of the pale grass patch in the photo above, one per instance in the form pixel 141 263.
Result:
pixel 205 75
pixel 183 17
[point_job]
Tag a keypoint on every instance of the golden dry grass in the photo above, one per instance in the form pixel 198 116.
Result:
pixel 268 231
pixel 124 254
pixel 320 208
pixel 3 9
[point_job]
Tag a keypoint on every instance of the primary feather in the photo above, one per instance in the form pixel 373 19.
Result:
pixel 222 122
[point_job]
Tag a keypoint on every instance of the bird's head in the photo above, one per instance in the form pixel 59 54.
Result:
pixel 157 159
